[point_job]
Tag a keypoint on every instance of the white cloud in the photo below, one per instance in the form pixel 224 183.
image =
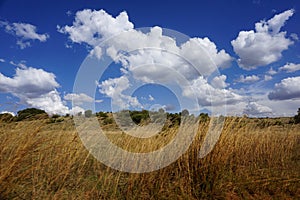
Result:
pixel 92 26
pixel 12 113
pixel 287 89
pixel 20 64
pixel 35 88
pixel 294 36
pixel 154 57
pixel 248 79
pixel 50 102
pixel 97 52
pixel 254 109
pixel 151 98
pixel 79 99
pixel 114 88
pixel 219 81
pixel 264 45
pixel 268 78
pixel 208 95
pixel 75 110
pixel 271 71
pixel 24 32
pixel 290 67
pixel 2 60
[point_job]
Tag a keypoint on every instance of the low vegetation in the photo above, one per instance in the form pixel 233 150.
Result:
pixel 253 159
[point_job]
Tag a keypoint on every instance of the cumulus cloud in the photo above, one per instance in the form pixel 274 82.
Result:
pixel 208 95
pixel 92 26
pixel 35 88
pixel 290 67
pixel 219 81
pixel 247 79
pixel 271 71
pixel 268 78
pixel 114 89
pixel 265 44
pixel 2 60
pixel 257 110
pixel 287 89
pixel 24 32
pixel 149 56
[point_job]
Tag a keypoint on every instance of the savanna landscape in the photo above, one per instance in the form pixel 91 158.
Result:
pixel 149 99
pixel 43 158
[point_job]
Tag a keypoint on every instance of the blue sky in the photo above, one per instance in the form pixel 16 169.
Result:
pixel 251 63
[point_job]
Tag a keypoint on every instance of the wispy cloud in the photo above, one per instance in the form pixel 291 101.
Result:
pixel 25 33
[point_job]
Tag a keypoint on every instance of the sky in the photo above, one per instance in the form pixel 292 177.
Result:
pixel 222 57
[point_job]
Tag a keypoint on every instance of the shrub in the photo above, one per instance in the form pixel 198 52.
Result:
pixel 139 116
pixel 297 117
pixel 6 117
pixel 88 113
pixel 102 114
pixel 29 113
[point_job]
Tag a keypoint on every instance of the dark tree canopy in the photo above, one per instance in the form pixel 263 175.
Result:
pixel 29 113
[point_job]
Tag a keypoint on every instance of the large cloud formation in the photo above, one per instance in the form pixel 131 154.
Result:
pixel 150 56
pixel 265 44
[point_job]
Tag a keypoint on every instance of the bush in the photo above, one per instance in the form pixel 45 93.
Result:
pixel 88 113
pixel 6 117
pixel 297 117
pixel 102 114
pixel 29 113
pixel 139 116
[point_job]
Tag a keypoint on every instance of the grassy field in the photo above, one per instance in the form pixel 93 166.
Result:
pixel 253 159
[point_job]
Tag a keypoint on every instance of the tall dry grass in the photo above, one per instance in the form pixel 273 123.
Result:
pixel 253 159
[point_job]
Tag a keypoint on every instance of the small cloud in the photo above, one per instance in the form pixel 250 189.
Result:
pixel 268 77
pixel 69 13
pixel 21 64
pixel 247 79
pixel 294 36
pixel 151 98
pixel 271 71
pixel 219 81
pixel 79 99
pixel 290 67
pixel 2 60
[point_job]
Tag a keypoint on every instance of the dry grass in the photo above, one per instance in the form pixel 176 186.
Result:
pixel 253 159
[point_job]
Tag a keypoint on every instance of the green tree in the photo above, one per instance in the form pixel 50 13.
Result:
pixel 30 113
pixel 88 113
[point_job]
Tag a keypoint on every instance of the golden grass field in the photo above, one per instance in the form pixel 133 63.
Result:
pixel 253 159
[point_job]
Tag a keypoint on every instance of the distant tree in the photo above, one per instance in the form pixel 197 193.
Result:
pixel 102 114
pixel 55 116
pixel 185 113
pixel 29 113
pixel 204 117
pixel 88 113
pixel 297 117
